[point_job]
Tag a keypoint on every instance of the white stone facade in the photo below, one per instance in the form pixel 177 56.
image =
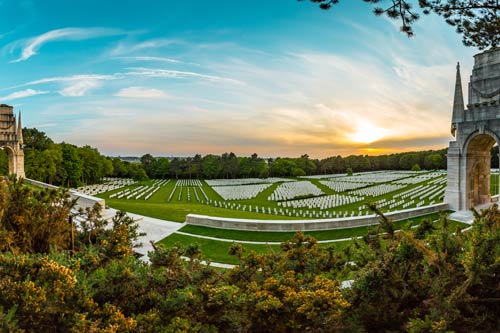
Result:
pixel 11 139
pixel 476 129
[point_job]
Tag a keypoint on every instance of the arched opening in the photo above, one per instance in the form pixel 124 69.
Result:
pixel 478 174
pixel 4 162
pixel 7 161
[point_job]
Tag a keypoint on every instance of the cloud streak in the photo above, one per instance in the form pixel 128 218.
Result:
pixel 175 74
pixel 144 58
pixel 140 92
pixel 23 94
pixel 33 45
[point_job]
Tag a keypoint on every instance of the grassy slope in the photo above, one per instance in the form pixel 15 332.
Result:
pixel 259 236
pixel 217 251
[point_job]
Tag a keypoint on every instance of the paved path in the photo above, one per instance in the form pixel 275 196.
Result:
pixel 155 230
pixel 256 242
pixel 466 216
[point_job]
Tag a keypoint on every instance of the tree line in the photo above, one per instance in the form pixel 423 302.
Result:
pixel 59 278
pixel 228 165
pixel 66 164
pixel 71 166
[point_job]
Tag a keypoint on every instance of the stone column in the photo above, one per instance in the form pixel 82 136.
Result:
pixel 452 193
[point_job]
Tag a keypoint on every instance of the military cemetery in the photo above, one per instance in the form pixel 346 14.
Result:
pixel 288 166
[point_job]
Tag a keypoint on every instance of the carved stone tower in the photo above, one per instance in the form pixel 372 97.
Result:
pixel 11 139
pixel 476 129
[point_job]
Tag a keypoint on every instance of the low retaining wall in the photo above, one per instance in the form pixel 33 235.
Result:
pixel 308 225
pixel 83 200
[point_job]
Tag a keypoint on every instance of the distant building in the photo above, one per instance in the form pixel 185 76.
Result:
pixel 11 139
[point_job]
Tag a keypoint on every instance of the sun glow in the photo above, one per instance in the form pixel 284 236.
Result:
pixel 367 133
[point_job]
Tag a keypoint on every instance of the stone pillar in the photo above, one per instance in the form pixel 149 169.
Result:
pixel 452 193
pixel 19 161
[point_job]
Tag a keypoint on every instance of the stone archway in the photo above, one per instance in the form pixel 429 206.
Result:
pixel 476 128
pixel 11 139
pixel 478 170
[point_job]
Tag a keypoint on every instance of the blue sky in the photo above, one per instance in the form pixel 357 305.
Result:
pixel 279 78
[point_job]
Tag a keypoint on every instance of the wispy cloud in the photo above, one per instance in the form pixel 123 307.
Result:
pixel 129 48
pixel 22 94
pixel 78 85
pixel 31 46
pixel 73 85
pixel 71 78
pixel 167 73
pixel 144 58
pixel 140 92
pixel 80 88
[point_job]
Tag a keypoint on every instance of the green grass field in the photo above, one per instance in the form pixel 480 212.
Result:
pixel 217 251
pixel 176 210
pixel 171 203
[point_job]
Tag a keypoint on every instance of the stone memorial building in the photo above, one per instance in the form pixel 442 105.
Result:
pixel 11 139
pixel 476 127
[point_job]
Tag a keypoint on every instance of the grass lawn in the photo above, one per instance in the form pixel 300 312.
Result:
pixel 259 236
pixel 494 184
pixel 217 251
pixel 177 212
pixel 176 209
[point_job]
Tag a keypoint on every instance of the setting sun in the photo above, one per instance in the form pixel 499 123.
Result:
pixel 367 133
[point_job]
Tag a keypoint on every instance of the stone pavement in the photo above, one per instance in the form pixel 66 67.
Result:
pixel 466 216
pixel 155 230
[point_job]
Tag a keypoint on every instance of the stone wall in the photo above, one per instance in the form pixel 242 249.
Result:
pixel 308 225
pixel 83 200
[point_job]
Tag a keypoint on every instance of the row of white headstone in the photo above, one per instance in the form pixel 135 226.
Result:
pixel 324 202
pixel 145 191
pixel 379 177
pixel 341 186
pixel 287 191
pixel 377 190
pixel 246 181
pixel 240 192
pixel 189 184
pixel 109 184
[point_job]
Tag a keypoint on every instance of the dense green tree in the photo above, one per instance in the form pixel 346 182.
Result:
pixel 477 20
pixel 159 168
pixel 283 167
pixel 416 167
pixel 307 165
pixel 72 165
pixel 175 167
pixel 407 161
pixel 211 166
pixel 35 139
pixel 229 165
pixel 433 161
pixel 33 221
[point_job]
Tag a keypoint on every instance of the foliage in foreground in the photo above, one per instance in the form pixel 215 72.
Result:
pixel 478 21
pixel 424 279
